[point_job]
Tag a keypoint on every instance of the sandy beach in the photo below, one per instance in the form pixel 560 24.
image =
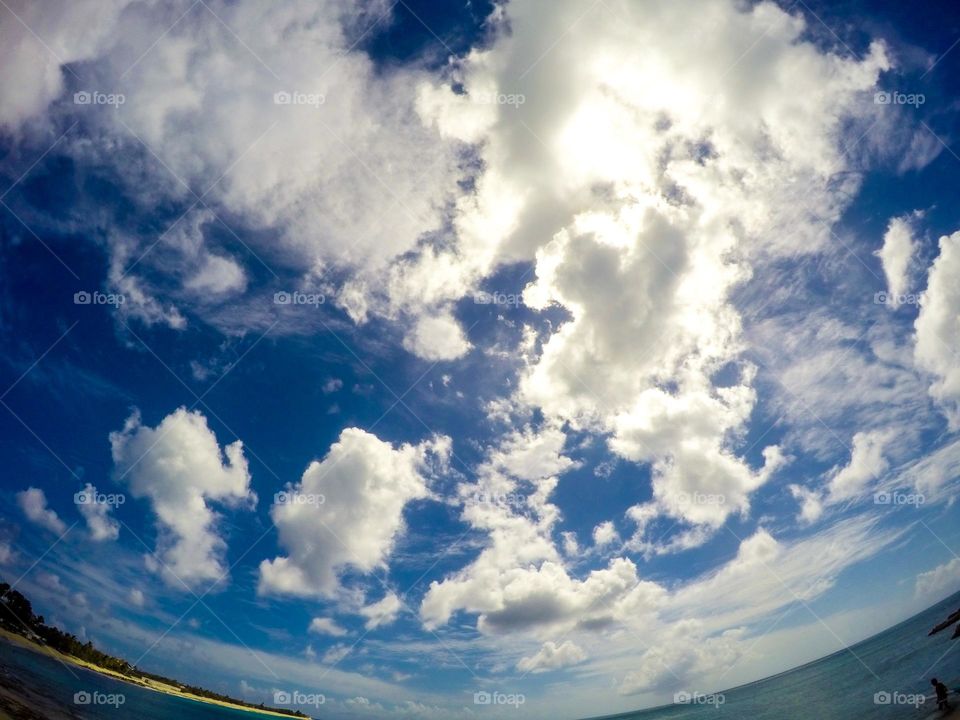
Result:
pixel 21 703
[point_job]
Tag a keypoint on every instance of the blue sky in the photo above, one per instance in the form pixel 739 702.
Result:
pixel 583 352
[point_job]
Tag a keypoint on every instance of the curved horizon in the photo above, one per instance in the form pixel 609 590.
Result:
pixel 509 358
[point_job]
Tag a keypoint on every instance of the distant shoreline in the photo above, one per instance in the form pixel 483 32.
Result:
pixel 142 682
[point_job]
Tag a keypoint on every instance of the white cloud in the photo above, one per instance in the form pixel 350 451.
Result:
pixel 854 482
pixel 35 40
pixel 335 654
pixel 811 503
pixel 643 190
pixel 940 582
pixel 7 553
pixel 137 597
pixel 33 502
pixel 897 254
pixel 830 377
pixel 326 626
pixel 867 463
pixel 352 514
pixel 553 657
pixel 179 467
pixel 437 338
pixel 382 612
pixel 604 534
pixel 332 385
pixel 97 515
pixel 938 332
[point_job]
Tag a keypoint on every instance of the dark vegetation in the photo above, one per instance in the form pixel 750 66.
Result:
pixel 951 619
pixel 16 615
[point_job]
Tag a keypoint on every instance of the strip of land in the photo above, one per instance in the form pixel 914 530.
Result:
pixel 19 702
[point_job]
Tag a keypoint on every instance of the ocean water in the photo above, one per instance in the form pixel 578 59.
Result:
pixel 841 686
pixel 838 687
pixel 50 679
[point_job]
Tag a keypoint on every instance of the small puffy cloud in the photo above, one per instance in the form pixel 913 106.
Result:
pixel 940 582
pixel 346 511
pixel 811 503
pixel 50 581
pixel 382 612
pixel 604 534
pixel 7 554
pixel 33 502
pixel 897 254
pixel 552 657
pixel 938 331
pixel 180 468
pixel 437 337
pixel 326 626
pixel 216 275
pixel 137 597
pixel 332 385
pixel 867 463
pixel 97 514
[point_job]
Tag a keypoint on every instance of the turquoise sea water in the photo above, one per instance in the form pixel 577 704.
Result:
pixel 839 687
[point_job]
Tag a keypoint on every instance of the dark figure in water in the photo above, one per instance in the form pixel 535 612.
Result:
pixel 941 694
